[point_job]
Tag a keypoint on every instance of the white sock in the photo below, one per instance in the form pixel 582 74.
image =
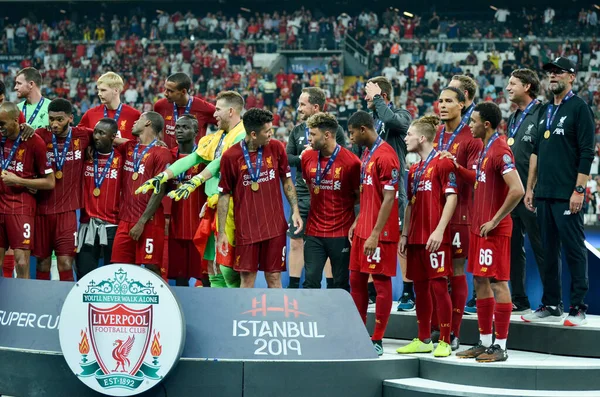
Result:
pixel 486 340
pixel 501 343
pixel 552 307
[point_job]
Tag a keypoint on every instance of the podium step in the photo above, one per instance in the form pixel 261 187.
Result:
pixel 547 338
pixel 522 370
pixel 418 387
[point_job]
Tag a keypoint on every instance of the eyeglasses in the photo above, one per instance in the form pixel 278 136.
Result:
pixel 557 71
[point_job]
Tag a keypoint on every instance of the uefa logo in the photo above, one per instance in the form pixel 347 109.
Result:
pixel 121 330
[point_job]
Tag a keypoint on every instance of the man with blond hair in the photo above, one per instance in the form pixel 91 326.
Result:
pixel 110 86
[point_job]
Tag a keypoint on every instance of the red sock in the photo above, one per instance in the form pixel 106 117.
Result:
pixel 424 308
pixel 502 319
pixel 460 294
pixel 8 266
pixel 439 286
pixel 383 308
pixel 485 315
pixel 435 323
pixel 67 275
pixel 42 275
pixel 360 295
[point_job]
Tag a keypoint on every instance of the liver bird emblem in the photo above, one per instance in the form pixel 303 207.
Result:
pixel 121 351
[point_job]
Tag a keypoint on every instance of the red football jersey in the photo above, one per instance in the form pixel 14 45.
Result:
pixel 156 160
pixel 466 150
pixel 185 214
pixel 331 210
pixel 67 194
pixel 437 180
pixel 381 173
pixel 29 161
pixel 106 206
pixel 491 190
pixel 258 215
pixel 202 110
pixel 127 118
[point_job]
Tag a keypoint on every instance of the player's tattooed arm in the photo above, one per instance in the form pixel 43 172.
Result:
pixel 290 192
pixel 222 209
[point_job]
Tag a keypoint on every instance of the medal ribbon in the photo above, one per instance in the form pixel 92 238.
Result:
pixel 464 121
pixel 185 112
pixel 5 163
pixel 137 158
pixel 319 176
pixel 552 112
pixel 514 127
pixel 60 160
pixel 363 169
pixel 99 178
pixel 117 112
pixel 35 112
pixel 484 153
pixel 420 171
pixel 254 174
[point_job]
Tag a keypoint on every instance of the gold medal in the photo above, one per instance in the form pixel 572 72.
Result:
pixel 135 176
pixel 511 141
pixel 254 186
pixel 316 190
pixel 96 192
pixel 547 134
pixel 59 174
pixel 413 200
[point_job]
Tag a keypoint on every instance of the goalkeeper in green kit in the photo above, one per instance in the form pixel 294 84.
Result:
pixel 210 148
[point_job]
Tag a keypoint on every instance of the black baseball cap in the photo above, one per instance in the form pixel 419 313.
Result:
pixel 561 63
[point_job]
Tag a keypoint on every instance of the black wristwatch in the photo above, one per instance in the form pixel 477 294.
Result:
pixel 579 189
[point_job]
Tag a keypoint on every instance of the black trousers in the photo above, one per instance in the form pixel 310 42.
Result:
pixel 88 257
pixel 524 221
pixel 559 228
pixel 316 252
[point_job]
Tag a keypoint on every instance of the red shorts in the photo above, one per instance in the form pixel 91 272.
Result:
pixel 384 261
pixel 148 250
pixel 184 259
pixel 267 255
pixel 16 231
pixel 56 232
pixel 490 257
pixel 459 238
pixel 424 265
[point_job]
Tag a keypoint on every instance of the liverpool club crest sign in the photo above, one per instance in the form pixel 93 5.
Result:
pixel 121 330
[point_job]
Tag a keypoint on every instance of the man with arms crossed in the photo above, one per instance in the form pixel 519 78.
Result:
pixel 251 172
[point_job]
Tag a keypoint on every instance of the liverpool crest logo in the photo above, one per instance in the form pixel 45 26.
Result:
pixel 119 345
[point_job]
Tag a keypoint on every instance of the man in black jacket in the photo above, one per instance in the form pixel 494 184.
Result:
pixel 559 170
pixel 391 124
